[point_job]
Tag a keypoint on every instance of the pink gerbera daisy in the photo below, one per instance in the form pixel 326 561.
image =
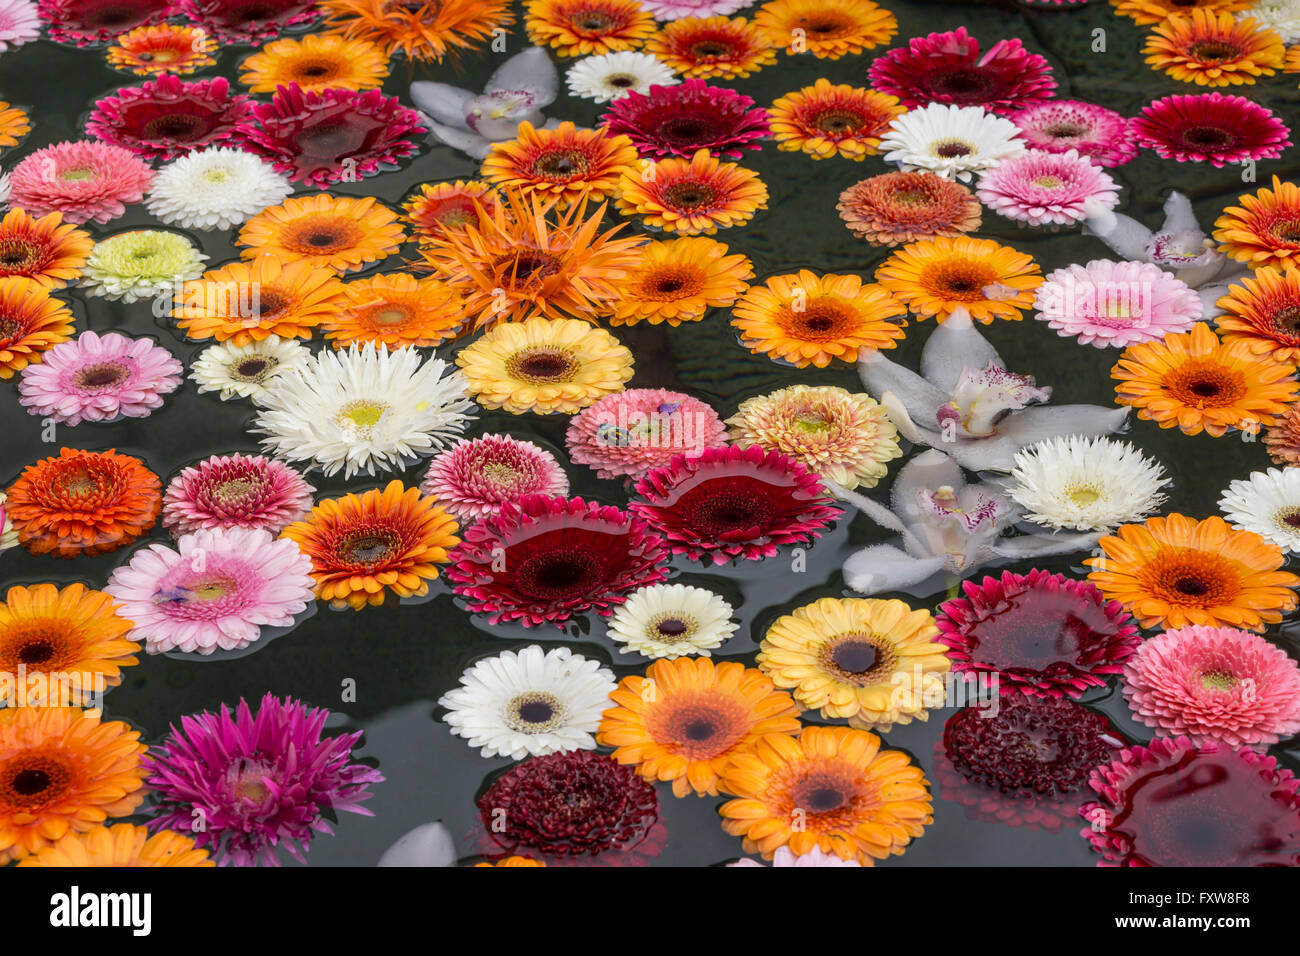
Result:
pixel 626 434
pixel 475 477
pixel 19 23
pixel 97 378
pixel 85 22
pixel 168 117
pixel 236 491
pixel 948 68
pixel 244 784
pixel 1115 304
pixel 82 180
pixel 729 503
pixel 1213 128
pixel 1040 188
pixel 678 120
pixel 681 9
pixel 247 21
pixel 327 136
pixel 1090 130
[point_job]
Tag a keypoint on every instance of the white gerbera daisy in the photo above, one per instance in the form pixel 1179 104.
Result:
pixel 215 188
pixel 141 264
pixel 1085 484
pixel 1282 16
pixel 244 371
pixel 953 141
pixel 671 620
pixel 611 75
pixel 363 410
pixel 530 703
pixel 1267 503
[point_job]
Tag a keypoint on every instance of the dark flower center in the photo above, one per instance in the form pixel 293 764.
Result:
pixel 37 652
pixel 961 85
pixel 535 712
pixel 29 783
pixel 1209 137
pixel 329 141
pixel 593 21
pixel 540 366
pixel 1288 317
pixel 685 130
pixel 699 730
pixel 706 49
pixel 856 657
pixel 368 547
pixel 180 127
pixel 253 369
pixel 317 68
pixel 559 574
pixel 1065 129
pixel 561 164
pixel 824 799
pixel 689 195
pixel 102 375
pixel 839 122
pixel 1214 51
pixel 620 81
pixel 16 255
pixel 953 150
pixel 1192 587
pixel 672 627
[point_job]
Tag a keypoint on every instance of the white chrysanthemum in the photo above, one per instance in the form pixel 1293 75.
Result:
pixel 530 703
pixel 244 371
pixel 215 188
pixel 611 75
pixel 671 620
pixel 141 264
pixel 1282 16
pixel 1267 503
pixel 363 410
pixel 953 141
pixel 8 533
pixel 4 189
pixel 1085 484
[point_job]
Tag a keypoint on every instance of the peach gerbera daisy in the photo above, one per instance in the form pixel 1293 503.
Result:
pixel 565 163
pixel 828 29
pixel 317 61
pixel 1212 48
pixel 31 322
pixel 712 46
pixel 825 120
pixel 1265 229
pixel 935 276
pixel 440 208
pixel 396 310
pixel 422 30
pixel 47 249
pixel 586 27
pixel 338 232
pixel 122 844
pixel 159 48
pixel 1264 311
pixel 701 195
pixel 677 280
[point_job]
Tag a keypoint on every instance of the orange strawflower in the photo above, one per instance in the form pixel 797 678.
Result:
pixel 122 844
pixel 14 125
pixel 1264 311
pixel 423 31
pixel 317 61
pixel 440 208
pixel 1212 48
pixel 935 276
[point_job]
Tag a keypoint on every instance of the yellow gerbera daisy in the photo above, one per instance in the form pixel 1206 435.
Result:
pixel 317 61
pixel 1212 48
pixel 935 276
pixel 678 280
pixel 828 29
pixel 338 232
pixel 122 844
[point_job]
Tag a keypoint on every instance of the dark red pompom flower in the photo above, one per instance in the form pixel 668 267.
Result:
pixel 86 22
pixel 247 21
pixel 168 117
pixel 679 120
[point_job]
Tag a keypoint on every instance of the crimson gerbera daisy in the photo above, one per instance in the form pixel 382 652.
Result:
pixel 86 22
pixel 948 68
pixel 168 117
pixel 1213 128
pixel 247 21
pixel 235 491
pixel 545 559
pixel 730 502
pixel 681 119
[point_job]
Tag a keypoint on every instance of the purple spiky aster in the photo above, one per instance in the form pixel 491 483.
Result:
pixel 261 780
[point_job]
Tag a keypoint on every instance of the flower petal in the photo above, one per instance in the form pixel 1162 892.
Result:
pixel 530 70
pixel 883 567
pixel 954 346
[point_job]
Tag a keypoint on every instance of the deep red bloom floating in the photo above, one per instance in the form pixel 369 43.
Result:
pixel 679 120
pixel 85 22
pixel 168 117
pixel 247 21
pixel 1210 128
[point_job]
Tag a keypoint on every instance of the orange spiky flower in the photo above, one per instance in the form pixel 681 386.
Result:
pixel 420 29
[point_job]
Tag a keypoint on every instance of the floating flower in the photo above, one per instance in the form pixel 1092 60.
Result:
pixel 935 277
pixel 1110 304
pixel 1174 571
pixel 243 303
pixel 234 21
pixel 342 233
pixel 46 250
pixel 1059 126
pixel 895 208
pixel 82 180
pixel 122 844
pixel 671 621
pixel 166 117
pixel 8 533
pixel 831 28
pixel 625 434
pixel 704 47
pixel 1267 503
pixel 529 703
pixel 258 781
pixel 1264 312
pixel 1040 188
pixel 215 188
pixel 83 503
pixel 476 477
pixel 314 63
pixel 541 560
pixel 20 23
pixel 824 120
pixel 442 208
pixel 1263 230
pixel 693 196
pixel 513 861
pixel 1211 48
pixel 566 164
pixel 31 323
pixel 584 27
pixel 1210 128
pixel 1282 440
pixel 683 119
pixel 243 371
pixel 783 857
pixel 679 280
pixel 99 378
pixel 1146 12
pixel 141 264
pixel 14 125
pixel 88 22
pixel 1280 16
pixel 364 547
pixel 162 48
pixel 235 491
pixel 679 9
pixel 609 76
pixel 422 30
pixel 394 310
pixel 953 141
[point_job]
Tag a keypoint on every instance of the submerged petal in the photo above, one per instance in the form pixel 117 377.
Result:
pixel 883 567
pixel 928 471
pixel 1128 237
pixel 429 844
pixel 921 399
pixel 952 347
pixel 442 102
pixel 469 143
pixel 1179 215
pixel 530 70
pixel 1042 545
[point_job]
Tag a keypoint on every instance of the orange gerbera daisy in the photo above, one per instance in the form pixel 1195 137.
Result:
pixel 31 322
pixel 338 232
pixel 688 717
pixel 1175 571
pixel 712 46
pixel 122 844
pixel 1264 311
pixel 246 302
pixel 900 207
pixel 565 163
pixel 584 27
pixel 828 29
pixel 363 546
pixel 677 280
pixel 1154 11
pixel 419 29
pixel 162 48
pixel 14 125
pixel 440 208
pixel 934 276
pixel 396 310
pixel 691 197
pixel 1212 48
pixel 47 249
pixel 317 61
pixel 807 319
pixel 528 260
pixel 1265 229
pixel 1195 382
pixel 1291 64
pixel 829 788
pixel 514 861
pixel 825 120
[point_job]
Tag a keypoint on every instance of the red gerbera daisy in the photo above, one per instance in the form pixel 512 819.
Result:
pixel 679 120
pixel 1210 128
pixel 167 117
pixel 85 22
pixel 247 21
pixel 948 68
pixel 546 559
pixel 730 502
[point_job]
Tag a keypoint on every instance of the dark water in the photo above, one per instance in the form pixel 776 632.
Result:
pixel 404 657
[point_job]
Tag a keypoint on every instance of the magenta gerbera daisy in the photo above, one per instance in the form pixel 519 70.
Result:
pixel 1039 188
pixel 730 502
pixel 1174 804
pixel 1061 125
pixel 85 22
pixel 543 560
pixel 948 68
pixel 235 491
pixel 168 117
pixel 19 23
pixel 246 783
pixel 1041 634
pixel 81 180
pixel 681 119
pixel 96 378
pixel 626 434
pixel 1115 304
pixel 247 21
pixel 475 477
pixel 1214 128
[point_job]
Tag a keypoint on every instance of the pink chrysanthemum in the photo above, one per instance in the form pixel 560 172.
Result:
pixel 1040 188
pixel 1061 125
pixel 235 491
pixel 19 23
pixel 215 591
pixel 1174 804
pixel 1213 128
pixel 948 68
pixel 1038 634
pixel 82 180
pixel 543 560
pixel 475 477
pixel 261 781
pixel 96 378
pixel 689 116
pixel 85 22
pixel 1215 683
pixel 681 9
pixel 1116 304
pixel 729 503
pixel 247 21
pixel 168 117
pixel 626 434
pixel 329 136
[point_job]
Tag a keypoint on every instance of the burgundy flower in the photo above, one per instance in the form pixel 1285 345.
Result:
pixel 546 559
pixel 1210 128
pixel 247 21
pixel 85 22
pixel 729 502
pixel 678 120
pixel 168 117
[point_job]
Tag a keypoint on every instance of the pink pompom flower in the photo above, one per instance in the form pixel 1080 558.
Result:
pixel 1214 128
pixel 235 491
pixel 475 477
pixel 19 23
pixel 1040 188
pixel 1062 125
pixel 168 117
pixel 626 434
pixel 1110 304
pixel 681 9
pixel 82 180
pixel 680 119
pixel 242 21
